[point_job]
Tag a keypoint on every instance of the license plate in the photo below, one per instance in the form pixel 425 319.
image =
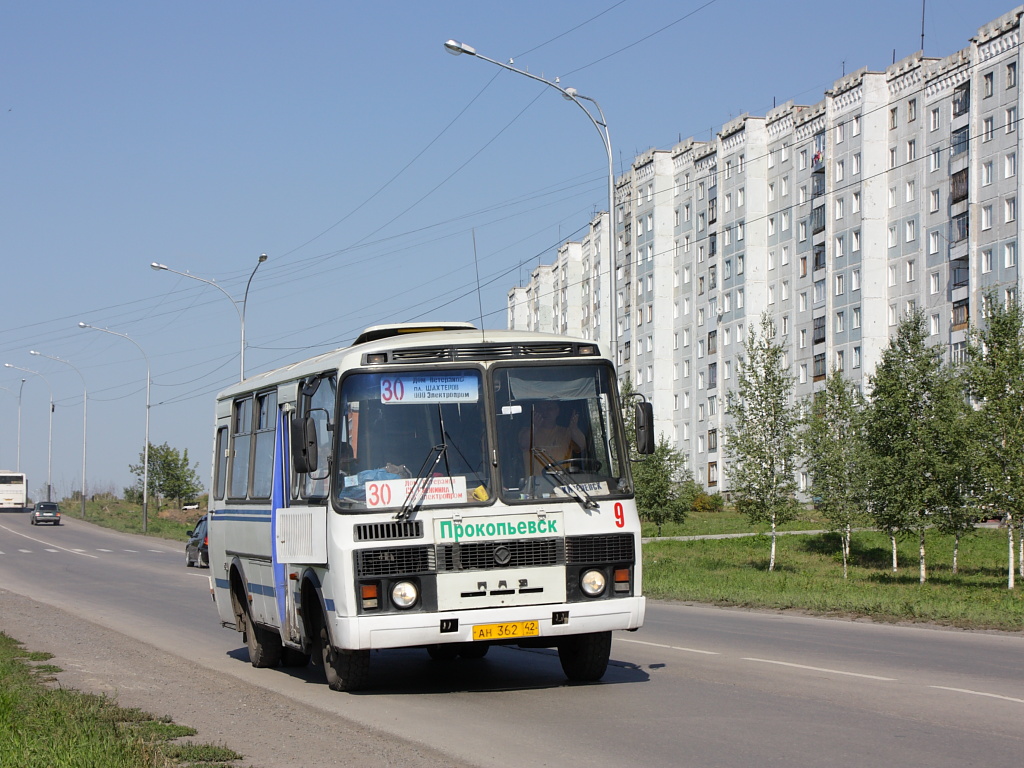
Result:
pixel 507 631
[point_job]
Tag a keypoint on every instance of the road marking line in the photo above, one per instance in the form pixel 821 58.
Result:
pixel 158 551
pixel 671 647
pixel 26 551
pixel 133 551
pixel 822 669
pixel 52 550
pixel 977 693
pixel 40 541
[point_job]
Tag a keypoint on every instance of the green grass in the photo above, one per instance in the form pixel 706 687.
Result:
pixel 727 521
pixel 42 726
pixel 808 576
pixel 122 516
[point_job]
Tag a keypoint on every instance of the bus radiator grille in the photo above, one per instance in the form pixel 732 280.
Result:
pixel 485 555
pixel 394 561
pixel 616 548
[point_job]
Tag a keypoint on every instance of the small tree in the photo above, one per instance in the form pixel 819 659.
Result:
pixel 170 475
pixel 762 438
pixel 995 372
pixel 914 470
pixel 834 454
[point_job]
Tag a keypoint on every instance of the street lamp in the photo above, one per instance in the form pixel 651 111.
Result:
pixel 241 312
pixel 145 451
pixel 49 442
pixel 571 94
pixel 85 400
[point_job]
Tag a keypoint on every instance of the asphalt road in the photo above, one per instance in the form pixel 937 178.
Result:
pixel 697 686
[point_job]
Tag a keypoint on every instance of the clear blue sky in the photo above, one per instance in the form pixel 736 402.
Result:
pixel 343 141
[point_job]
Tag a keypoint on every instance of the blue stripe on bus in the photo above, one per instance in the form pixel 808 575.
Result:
pixel 242 515
pixel 329 604
pixel 260 589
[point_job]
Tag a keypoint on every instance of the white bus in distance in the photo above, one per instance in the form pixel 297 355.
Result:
pixel 13 491
pixel 439 487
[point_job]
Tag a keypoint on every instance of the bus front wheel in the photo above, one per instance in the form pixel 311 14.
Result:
pixel 344 670
pixel 584 658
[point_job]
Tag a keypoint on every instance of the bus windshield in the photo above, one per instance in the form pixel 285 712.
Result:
pixel 411 439
pixel 407 439
pixel 556 433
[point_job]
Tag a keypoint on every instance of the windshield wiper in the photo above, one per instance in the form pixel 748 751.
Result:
pixel 576 491
pixel 423 480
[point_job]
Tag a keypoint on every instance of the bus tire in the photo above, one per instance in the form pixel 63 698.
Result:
pixel 264 645
pixel 584 658
pixel 343 670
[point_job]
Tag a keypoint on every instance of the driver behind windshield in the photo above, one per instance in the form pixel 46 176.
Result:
pixel 546 437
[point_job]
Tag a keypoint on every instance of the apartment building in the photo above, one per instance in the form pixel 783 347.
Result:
pixel 897 191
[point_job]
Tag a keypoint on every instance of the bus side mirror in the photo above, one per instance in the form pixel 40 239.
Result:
pixel 643 418
pixel 304 442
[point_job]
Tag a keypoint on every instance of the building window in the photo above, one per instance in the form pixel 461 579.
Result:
pixel 936 160
pixel 856 317
pixel 934 124
pixel 987 84
pixel 911 150
pixel 1010 209
pixel 987 129
pixel 933 283
pixel 959 140
pixel 1011 74
pixel 840 284
pixel 1010 165
pixel 1011 120
pixel 986 260
pixel 961 314
pixel 893 118
pixel 1010 255
pixel 934 198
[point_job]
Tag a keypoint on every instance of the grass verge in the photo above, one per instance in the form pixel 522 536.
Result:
pixel 42 726
pixel 808 576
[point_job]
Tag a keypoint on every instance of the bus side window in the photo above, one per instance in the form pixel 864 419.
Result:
pixel 318 396
pixel 221 465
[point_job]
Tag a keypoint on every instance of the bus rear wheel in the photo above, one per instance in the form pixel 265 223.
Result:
pixel 264 645
pixel 584 658
pixel 343 670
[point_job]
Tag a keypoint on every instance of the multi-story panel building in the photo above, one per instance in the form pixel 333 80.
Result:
pixel 898 191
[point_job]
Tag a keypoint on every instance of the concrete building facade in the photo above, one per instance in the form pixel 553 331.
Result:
pixel 898 191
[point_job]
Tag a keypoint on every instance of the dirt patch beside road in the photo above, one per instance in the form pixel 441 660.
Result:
pixel 270 730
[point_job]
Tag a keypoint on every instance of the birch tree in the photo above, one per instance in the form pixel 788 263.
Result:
pixel 762 436
pixel 995 371
pixel 833 451
pixel 913 468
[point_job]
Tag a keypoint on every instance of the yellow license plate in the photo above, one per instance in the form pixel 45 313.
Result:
pixel 510 630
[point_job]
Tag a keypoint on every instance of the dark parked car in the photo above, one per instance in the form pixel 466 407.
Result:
pixel 197 548
pixel 46 512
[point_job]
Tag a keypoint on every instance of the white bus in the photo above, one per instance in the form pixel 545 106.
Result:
pixel 438 487
pixel 13 490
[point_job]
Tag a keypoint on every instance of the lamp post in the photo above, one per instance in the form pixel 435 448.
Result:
pixel 85 401
pixel 145 450
pixel 571 94
pixel 49 440
pixel 241 311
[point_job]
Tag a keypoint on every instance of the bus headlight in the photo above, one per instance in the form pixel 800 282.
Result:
pixel 592 583
pixel 404 594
